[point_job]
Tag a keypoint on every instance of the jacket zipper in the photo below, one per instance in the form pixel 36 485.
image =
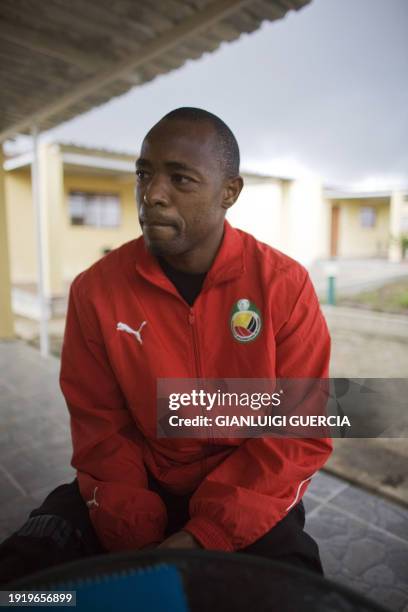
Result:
pixel 198 372
pixel 191 320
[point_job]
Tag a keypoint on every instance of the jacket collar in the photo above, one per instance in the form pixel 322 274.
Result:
pixel 228 264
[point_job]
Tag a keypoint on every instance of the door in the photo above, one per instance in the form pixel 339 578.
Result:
pixel 334 233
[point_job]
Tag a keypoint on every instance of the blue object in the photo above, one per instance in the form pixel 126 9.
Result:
pixel 331 290
pixel 151 589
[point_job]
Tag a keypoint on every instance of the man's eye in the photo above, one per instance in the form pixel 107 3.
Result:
pixel 141 174
pixel 181 179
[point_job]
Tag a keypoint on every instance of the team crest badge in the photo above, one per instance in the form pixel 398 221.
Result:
pixel 246 321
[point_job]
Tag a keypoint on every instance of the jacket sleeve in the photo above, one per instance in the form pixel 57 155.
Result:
pixel 260 481
pixel 107 448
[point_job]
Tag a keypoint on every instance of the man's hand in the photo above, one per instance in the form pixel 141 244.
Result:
pixel 181 539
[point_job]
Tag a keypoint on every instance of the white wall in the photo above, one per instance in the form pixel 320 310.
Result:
pixel 307 219
pixel 291 216
pixel 258 211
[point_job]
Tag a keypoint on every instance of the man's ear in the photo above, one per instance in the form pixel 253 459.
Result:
pixel 232 189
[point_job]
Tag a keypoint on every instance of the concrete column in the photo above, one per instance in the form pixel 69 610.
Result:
pixel 396 205
pixel 41 243
pixel 6 316
pixel 52 194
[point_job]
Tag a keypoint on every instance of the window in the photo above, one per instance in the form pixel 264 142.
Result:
pixel 368 216
pixel 95 209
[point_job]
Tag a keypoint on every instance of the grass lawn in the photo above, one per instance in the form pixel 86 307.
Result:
pixel 392 297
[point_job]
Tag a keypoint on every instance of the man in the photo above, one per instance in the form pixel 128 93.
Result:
pixel 161 307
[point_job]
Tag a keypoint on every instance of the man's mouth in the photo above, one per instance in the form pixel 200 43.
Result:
pixel 156 223
pixel 158 229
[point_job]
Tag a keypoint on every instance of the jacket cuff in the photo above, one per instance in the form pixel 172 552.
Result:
pixel 208 534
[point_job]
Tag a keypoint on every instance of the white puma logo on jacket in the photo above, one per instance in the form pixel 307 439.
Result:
pixel 134 332
pixel 93 502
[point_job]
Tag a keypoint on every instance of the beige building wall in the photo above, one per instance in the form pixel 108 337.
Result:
pixel 357 241
pixel 21 227
pixel 69 248
pixel 83 245
pixel 398 223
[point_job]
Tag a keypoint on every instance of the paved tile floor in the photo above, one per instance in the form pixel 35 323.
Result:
pixel 363 538
pixel 356 275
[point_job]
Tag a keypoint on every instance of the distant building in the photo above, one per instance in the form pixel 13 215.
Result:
pixel 89 209
pixel 368 224
pixel 89 205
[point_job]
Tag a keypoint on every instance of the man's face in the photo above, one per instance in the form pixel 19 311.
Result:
pixel 180 187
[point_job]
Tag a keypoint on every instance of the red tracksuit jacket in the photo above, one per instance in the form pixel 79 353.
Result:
pixel 241 490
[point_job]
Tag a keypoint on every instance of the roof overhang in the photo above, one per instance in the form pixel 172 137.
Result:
pixel 358 195
pixel 83 160
pixel 62 59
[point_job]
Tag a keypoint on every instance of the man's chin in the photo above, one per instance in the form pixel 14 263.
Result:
pixel 161 248
pixel 156 249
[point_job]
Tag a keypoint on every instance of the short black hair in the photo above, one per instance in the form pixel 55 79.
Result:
pixel 228 145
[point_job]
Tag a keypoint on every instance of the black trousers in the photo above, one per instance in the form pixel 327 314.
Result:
pixel 60 531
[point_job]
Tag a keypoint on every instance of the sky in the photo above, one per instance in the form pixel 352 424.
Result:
pixel 323 91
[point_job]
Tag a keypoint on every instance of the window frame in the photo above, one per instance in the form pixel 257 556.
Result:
pixel 368 216
pixel 94 213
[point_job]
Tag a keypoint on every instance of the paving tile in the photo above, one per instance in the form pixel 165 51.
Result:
pixel 8 490
pixel 33 467
pixel 48 453
pixel 60 478
pixel 13 439
pixel 52 481
pixel 32 437
pixel 27 469
pixel 361 557
pixel 375 510
pixel 51 397
pixel 310 503
pixel 47 433
pixel 34 473
pixel 56 453
pixel 14 514
pixel 324 486
pixel 8 394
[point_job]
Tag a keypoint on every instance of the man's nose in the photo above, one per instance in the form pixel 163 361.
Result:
pixel 156 192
